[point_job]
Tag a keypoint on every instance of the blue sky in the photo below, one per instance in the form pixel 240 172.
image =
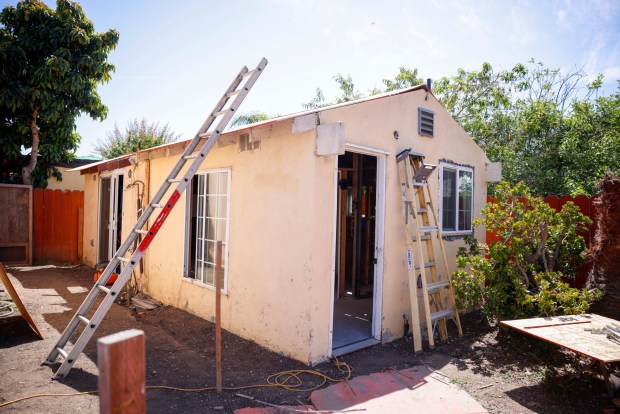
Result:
pixel 174 59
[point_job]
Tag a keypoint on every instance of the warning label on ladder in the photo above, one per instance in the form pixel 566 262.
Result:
pixel 409 259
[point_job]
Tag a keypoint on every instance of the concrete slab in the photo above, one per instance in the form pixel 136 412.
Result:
pixel 416 389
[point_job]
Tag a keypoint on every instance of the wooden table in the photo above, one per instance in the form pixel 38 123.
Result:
pixel 574 332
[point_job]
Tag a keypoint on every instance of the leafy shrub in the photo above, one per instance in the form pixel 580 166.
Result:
pixel 520 275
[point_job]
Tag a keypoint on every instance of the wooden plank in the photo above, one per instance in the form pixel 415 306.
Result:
pixel 122 373
pixel 4 277
pixel 80 235
pixel 57 225
pixel 30 229
pixel 218 317
pixel 569 332
pixel 48 206
pixel 38 223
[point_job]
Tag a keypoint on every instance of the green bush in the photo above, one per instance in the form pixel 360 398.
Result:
pixel 521 274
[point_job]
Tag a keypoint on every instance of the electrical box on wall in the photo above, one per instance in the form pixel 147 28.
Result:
pixel 330 139
pixel 494 172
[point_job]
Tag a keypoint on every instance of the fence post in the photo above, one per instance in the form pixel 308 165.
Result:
pixel 122 372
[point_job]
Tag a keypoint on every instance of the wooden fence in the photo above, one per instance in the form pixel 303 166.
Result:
pixel 15 224
pixel 58 219
pixel 587 208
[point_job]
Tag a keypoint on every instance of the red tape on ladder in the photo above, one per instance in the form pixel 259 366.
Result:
pixel 159 221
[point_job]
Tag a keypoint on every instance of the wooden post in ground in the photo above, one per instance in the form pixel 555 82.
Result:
pixel 122 373
pixel 218 317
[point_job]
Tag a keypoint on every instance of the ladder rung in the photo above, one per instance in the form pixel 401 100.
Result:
pixel 425 237
pixel 442 314
pixel 141 231
pixel 422 210
pixel 225 111
pixel 233 93
pixel 427 229
pixel 419 184
pixel 427 264
pixel 248 73
pixel 435 286
pixel 104 289
pixel 155 205
pixel 123 259
pixel 174 180
pixel 84 319
pixel 62 352
pixel 190 157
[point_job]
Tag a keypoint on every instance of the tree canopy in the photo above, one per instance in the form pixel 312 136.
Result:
pixel 136 136
pixel 548 128
pixel 51 62
pixel 249 118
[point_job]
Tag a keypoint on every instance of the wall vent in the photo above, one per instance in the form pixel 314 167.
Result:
pixel 426 122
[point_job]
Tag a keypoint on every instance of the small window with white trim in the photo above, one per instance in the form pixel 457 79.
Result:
pixel 456 201
pixel 207 223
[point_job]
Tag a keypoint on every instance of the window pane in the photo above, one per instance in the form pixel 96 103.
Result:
pixel 466 186
pixel 448 202
pixel 211 220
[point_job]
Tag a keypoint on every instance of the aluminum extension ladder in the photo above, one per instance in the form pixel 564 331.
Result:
pixel 238 90
pixel 420 224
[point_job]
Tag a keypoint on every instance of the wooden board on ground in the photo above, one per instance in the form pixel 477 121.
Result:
pixel 4 277
pixel 573 332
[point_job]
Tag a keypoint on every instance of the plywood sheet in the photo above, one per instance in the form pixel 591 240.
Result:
pixel 573 332
pixel 4 278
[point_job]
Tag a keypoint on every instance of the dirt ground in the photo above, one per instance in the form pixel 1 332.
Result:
pixel 505 371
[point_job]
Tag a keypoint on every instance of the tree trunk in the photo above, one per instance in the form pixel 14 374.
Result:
pixel 34 153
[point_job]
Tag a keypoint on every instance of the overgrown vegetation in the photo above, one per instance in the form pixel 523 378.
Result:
pixel 51 63
pixel 521 274
pixel 136 137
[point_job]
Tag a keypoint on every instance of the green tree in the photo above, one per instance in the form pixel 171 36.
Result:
pixel 136 137
pixel 520 275
pixel 545 126
pixel 249 118
pixel 51 62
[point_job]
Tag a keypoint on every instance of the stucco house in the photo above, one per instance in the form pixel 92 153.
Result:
pixel 309 209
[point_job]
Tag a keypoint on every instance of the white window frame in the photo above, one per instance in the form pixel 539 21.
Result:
pixel 225 243
pixel 457 168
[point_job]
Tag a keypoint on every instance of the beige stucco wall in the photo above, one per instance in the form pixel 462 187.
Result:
pixel 71 180
pixel 280 273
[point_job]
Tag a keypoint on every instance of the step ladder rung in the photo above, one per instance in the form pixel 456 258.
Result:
pixel 249 73
pixel 422 210
pixel 190 157
pixel 156 205
pixel 141 231
pixel 426 265
pixel 442 314
pixel 436 286
pixel 175 180
pixel 427 229
pixel 425 237
pixel 62 352
pixel 84 319
pixel 123 259
pixel 104 289
pixel 419 184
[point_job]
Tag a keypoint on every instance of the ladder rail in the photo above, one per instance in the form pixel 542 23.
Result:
pixel 119 256
pixel 445 262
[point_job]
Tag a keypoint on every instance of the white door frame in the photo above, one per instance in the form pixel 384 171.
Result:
pixel 113 176
pixel 377 306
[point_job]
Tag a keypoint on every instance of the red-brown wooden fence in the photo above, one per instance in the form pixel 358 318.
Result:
pixel 58 218
pixel 587 208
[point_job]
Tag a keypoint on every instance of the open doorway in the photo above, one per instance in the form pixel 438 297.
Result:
pixel 355 293
pixel 110 217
